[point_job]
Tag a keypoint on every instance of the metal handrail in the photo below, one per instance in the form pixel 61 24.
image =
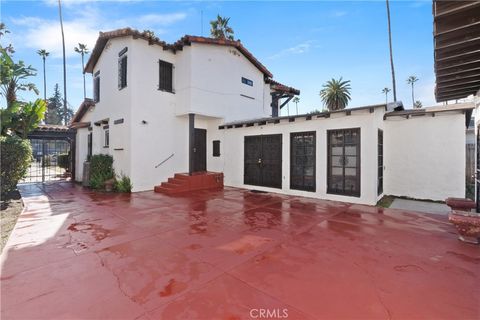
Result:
pixel 170 156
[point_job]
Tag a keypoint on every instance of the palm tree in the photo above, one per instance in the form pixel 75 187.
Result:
pixel 391 54
pixel 82 50
pixel 296 100
pixel 44 54
pixel 220 28
pixel 64 62
pixel 418 104
pixel 336 94
pixel 411 81
pixel 386 91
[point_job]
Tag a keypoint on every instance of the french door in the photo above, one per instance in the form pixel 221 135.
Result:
pixel 344 162
pixel 263 160
pixel 302 161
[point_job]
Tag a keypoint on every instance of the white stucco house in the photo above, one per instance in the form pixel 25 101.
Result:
pixel 204 104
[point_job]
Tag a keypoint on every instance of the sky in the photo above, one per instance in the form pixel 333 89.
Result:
pixel 303 43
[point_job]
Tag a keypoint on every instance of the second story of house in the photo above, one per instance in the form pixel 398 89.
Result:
pixel 134 73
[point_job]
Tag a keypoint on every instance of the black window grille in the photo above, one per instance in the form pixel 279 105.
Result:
pixel 216 148
pixel 122 72
pixel 165 79
pixel 96 89
pixel 344 162
pixel 380 162
pixel 302 160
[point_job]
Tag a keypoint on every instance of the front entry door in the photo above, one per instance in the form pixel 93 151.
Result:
pixel 200 150
pixel 263 160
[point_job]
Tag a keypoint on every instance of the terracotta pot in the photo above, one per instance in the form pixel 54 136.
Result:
pixel 467 224
pixel 460 204
pixel 109 185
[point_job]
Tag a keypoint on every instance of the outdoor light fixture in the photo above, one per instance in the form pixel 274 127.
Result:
pixel 144 122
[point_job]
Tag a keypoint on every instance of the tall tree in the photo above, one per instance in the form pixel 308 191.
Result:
pixel 13 77
pixel 391 53
pixel 82 50
pixel 220 28
pixel 54 107
pixel 64 61
pixel 411 81
pixel 336 94
pixel 44 54
pixel 385 91
pixel 296 100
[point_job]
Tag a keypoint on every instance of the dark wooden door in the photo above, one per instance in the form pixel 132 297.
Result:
pixel 263 160
pixel 200 150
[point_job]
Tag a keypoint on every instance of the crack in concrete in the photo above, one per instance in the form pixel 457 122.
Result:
pixel 117 278
pixel 377 293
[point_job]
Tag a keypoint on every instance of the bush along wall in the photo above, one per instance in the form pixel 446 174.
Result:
pixel 16 156
pixel 101 170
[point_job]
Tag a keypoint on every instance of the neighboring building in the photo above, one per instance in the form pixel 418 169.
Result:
pixel 207 104
pixel 456 32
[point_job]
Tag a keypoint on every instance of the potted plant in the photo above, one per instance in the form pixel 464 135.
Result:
pixel 467 224
pixel 109 184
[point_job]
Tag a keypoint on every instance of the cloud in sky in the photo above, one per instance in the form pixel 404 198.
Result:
pixel 301 48
pixel 338 14
pixel 45 33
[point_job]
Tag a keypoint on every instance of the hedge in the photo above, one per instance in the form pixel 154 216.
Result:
pixel 16 156
pixel 63 161
pixel 101 170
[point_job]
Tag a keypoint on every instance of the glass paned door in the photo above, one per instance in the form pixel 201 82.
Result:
pixel 344 162
pixel 302 161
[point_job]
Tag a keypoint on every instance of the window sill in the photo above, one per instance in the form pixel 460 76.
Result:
pixel 172 92
pixel 356 195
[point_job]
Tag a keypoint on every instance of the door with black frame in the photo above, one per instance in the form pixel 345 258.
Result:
pixel 200 151
pixel 302 161
pixel 344 162
pixel 477 170
pixel 263 160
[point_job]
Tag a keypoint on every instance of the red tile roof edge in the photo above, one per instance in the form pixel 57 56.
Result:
pixel 178 45
pixel 87 103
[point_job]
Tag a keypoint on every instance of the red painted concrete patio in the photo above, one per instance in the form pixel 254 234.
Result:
pixel 226 255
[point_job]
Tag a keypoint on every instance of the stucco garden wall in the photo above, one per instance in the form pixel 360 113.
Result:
pixel 425 156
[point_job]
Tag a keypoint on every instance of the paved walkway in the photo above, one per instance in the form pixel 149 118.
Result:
pixel 231 254
pixel 420 206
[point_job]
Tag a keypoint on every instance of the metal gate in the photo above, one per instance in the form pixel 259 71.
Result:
pixel 53 154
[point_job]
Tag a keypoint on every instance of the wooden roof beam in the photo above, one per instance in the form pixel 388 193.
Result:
pixel 439 13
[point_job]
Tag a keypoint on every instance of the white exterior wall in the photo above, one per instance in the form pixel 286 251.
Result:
pixel 231 161
pixel 425 156
pixel 81 146
pixel 114 104
pixel 164 133
pixel 215 86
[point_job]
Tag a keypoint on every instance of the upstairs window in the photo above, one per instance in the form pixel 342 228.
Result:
pixel 165 79
pixel 122 69
pixel 248 82
pixel 106 137
pixel 90 145
pixel 96 89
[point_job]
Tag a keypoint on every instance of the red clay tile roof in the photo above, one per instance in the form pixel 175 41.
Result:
pixel 87 103
pixel 277 86
pixel 178 45
pixel 52 128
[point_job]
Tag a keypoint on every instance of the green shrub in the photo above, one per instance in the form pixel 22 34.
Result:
pixel 63 161
pixel 123 184
pixel 101 169
pixel 16 156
